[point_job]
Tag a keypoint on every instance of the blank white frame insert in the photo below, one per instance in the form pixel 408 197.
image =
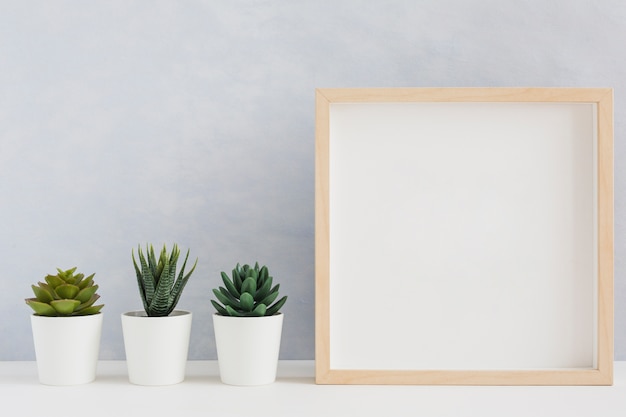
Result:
pixel 461 236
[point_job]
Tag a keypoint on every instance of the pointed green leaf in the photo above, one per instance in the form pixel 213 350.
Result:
pixel 54 281
pixel 237 278
pixel 86 282
pixel 78 279
pixel 276 307
pixel 67 291
pixel 140 284
pixel 88 303
pixel 163 260
pixel 42 294
pixel 220 309
pixel 181 281
pixel 263 274
pixel 41 309
pixel 174 256
pixel 230 286
pixel 89 310
pixel 249 286
pixel 151 260
pixel 226 298
pixel 270 298
pixel 264 290
pixel 147 279
pixel 254 273
pixel 232 312
pixel 66 274
pixel 85 294
pixel 50 290
pixel 159 306
pixel 64 307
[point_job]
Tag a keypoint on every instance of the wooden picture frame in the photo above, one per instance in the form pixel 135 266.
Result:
pixel 464 236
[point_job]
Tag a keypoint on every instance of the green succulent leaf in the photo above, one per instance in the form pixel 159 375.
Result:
pixel 79 278
pixel 270 298
pixel 259 310
pixel 232 312
pixel 237 278
pixel 54 281
pixel 224 299
pixel 50 290
pixel 220 309
pixel 264 290
pixel 87 303
pixel 90 310
pixel 42 294
pixel 263 274
pixel 254 273
pixel 84 283
pixel 230 286
pixel 64 307
pixel 85 294
pixel 41 309
pixel 246 301
pixel 67 291
pixel 249 286
pixel 66 274
pixel 276 307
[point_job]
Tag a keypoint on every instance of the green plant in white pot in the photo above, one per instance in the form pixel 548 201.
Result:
pixel 65 315
pixel 248 326
pixel 156 339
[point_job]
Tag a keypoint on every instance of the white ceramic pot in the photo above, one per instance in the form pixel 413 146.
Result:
pixel 156 347
pixel 67 348
pixel 248 348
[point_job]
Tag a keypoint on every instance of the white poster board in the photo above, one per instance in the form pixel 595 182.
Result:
pixel 461 237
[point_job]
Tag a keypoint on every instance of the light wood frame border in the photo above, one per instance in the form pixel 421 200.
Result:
pixel 603 375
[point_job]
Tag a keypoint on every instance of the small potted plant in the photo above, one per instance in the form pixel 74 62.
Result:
pixel 66 327
pixel 156 340
pixel 248 326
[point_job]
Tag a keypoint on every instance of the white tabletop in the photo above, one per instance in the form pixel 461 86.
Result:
pixel 293 394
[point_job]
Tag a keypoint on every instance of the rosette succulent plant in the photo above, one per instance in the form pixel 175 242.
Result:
pixel 248 294
pixel 159 287
pixel 65 294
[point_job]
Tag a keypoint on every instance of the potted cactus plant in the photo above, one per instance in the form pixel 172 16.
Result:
pixel 156 339
pixel 66 327
pixel 248 326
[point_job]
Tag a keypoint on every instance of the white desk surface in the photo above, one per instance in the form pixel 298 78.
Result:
pixel 293 394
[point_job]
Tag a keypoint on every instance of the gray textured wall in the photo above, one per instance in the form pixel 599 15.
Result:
pixel 125 122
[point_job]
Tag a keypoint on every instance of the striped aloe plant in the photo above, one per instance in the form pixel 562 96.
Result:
pixel 159 287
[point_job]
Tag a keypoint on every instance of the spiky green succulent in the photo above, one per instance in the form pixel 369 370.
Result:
pixel 248 294
pixel 65 294
pixel 159 287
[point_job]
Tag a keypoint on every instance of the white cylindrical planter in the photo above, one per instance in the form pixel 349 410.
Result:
pixel 156 347
pixel 67 348
pixel 248 348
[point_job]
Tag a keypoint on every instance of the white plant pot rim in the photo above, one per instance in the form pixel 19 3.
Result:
pixel 141 314
pixel 249 318
pixel 85 317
